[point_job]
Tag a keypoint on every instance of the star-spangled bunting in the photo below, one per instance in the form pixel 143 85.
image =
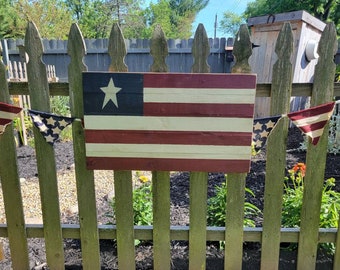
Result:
pixel 50 125
pixel 261 129
pixel 312 121
pixel 7 113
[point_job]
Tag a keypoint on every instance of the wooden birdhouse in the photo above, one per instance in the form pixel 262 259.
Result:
pixel 264 32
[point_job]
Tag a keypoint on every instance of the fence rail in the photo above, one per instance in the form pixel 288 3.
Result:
pixel 197 233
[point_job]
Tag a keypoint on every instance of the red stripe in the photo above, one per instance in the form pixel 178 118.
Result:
pixel 9 108
pixel 314 111
pixel 199 110
pixel 4 121
pixel 168 137
pixel 315 140
pixel 212 80
pixel 315 126
pixel 230 166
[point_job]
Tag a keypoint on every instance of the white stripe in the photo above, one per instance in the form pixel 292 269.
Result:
pixel 8 115
pixel 168 151
pixel 313 119
pixel 116 122
pixel 199 95
pixel 315 133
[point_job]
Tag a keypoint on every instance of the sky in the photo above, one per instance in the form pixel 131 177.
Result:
pixel 207 15
pixel 215 7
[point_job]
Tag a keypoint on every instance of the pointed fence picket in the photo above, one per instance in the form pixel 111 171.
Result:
pixel 160 232
pixel 48 182
pixel 160 180
pixel 276 160
pixel 89 234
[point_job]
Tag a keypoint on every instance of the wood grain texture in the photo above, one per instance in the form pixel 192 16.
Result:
pixel 160 179
pixel 122 179
pixel 10 185
pixel 198 180
pixel 262 89
pixel 200 51
pixel 117 50
pixel 242 51
pixel 158 50
pixel 276 150
pixel 84 178
pixel 323 92
pixel 40 100
pixel 236 182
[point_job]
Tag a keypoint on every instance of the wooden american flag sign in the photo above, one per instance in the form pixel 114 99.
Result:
pixel 169 121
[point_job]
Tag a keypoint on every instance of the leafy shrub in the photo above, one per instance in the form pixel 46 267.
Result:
pixel 216 210
pixel 292 202
pixel 142 203
pixel 60 105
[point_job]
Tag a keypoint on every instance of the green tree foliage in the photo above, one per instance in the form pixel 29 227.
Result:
pixel 325 10
pixel 50 16
pixel 230 23
pixel 11 26
pixel 96 17
pixel 174 16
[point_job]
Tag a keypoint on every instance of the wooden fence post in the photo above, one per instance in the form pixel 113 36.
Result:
pixel 85 178
pixel 40 100
pixel 336 262
pixel 198 180
pixel 323 91
pixel 10 185
pixel 160 179
pixel 276 150
pixel 122 179
pixel 236 182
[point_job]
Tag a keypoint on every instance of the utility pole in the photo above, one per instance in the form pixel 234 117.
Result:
pixel 215 25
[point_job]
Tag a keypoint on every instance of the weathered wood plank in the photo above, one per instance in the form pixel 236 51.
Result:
pixel 276 150
pixel 198 220
pixel 288 235
pixel 84 178
pixel 200 51
pixel 236 182
pixel 262 89
pixel 39 92
pixel 158 50
pixel 117 50
pixel 198 180
pixel 122 179
pixel 161 220
pixel 160 180
pixel 234 221
pixel 323 92
pixel 10 185
pixel 124 219
pixel 56 88
pixel 336 262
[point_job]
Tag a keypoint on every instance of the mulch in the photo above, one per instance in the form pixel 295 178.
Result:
pixel 179 211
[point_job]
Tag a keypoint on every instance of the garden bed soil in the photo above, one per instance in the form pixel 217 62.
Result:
pixel 179 215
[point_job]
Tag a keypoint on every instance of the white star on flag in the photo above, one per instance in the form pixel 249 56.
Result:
pixel 110 93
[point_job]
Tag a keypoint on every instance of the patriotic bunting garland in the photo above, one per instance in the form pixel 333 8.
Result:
pixel 7 113
pixel 49 125
pixel 310 121
pixel 262 128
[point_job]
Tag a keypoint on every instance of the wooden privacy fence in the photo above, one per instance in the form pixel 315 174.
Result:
pixel 308 236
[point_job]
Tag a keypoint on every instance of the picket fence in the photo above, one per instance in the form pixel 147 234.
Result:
pixel 308 236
